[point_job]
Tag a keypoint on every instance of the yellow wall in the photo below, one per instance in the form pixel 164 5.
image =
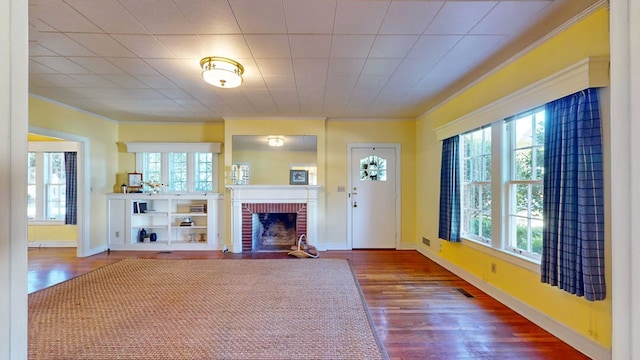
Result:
pixel 158 132
pixel 339 135
pixel 102 136
pixel 589 37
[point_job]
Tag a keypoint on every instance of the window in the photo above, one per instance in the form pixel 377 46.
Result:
pixel 475 165
pixel 525 188
pixel 515 191
pixel 46 180
pixel 178 171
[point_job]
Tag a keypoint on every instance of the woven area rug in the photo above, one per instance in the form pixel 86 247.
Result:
pixel 205 309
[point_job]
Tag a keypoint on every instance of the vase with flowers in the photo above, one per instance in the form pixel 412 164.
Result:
pixel 154 186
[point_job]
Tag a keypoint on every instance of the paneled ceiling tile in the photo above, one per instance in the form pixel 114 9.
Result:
pixel 209 16
pixel 143 46
pixel 176 94
pixel 285 99
pixel 310 73
pixel 342 67
pixel 63 45
pixel 184 46
pixel 433 46
pixel 410 70
pixel 192 105
pixel 230 46
pixel 310 46
pixel 36 49
pixel 96 65
pixel 159 16
pixel 359 17
pixel 144 94
pixel 351 46
pixel 37 68
pixel 409 17
pixel 280 82
pixel 61 65
pixel 109 15
pixel 58 81
pixel 126 81
pixel 59 15
pixel 94 81
pixel 380 66
pixel 102 44
pixel 309 16
pixel 348 81
pixel 260 100
pixel 470 51
pixel 269 46
pixel 370 83
pixel 275 67
pixel 157 81
pixel 133 66
pixel 458 17
pixel 509 16
pixel 392 46
pixel 175 70
pixel 264 16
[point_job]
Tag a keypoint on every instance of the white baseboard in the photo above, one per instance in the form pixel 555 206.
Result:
pixel 561 331
pixel 61 243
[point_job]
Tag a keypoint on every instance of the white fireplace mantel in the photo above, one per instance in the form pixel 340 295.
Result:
pixel 272 194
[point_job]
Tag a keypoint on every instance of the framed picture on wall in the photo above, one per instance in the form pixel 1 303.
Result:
pixel 134 180
pixel 298 177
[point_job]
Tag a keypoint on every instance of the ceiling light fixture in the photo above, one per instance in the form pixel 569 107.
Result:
pixel 275 140
pixel 221 72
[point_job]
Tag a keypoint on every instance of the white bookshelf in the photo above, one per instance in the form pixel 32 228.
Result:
pixel 179 221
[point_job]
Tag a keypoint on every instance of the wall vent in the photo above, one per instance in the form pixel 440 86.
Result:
pixel 426 241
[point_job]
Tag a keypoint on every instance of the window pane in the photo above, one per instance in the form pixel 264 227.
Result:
pixel 476 184
pixel 522 164
pixel 31 201
pixel 204 172
pixel 152 166
pixel 55 186
pixel 177 171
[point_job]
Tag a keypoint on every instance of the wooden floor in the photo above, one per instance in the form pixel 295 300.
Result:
pixel 421 310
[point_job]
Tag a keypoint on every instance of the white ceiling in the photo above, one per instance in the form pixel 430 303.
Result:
pixel 138 60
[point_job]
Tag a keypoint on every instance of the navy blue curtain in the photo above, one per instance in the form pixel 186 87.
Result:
pixel 449 224
pixel 71 201
pixel 573 234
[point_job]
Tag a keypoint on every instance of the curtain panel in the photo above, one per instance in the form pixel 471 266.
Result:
pixel 71 200
pixel 573 234
pixel 449 223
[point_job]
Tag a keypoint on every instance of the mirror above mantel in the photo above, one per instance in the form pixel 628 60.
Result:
pixel 256 162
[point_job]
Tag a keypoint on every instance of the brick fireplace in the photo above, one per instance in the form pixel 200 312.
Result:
pixel 247 200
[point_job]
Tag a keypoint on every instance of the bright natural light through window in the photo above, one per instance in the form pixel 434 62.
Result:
pixel 475 165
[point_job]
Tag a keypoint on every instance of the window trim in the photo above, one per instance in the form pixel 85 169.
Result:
pixel 191 164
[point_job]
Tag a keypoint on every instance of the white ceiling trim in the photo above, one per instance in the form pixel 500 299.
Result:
pixel 590 72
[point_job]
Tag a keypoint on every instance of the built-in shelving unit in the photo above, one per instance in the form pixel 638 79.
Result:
pixel 177 221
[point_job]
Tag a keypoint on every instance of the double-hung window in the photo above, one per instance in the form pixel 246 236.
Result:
pixel 525 184
pixel 475 165
pixel 517 150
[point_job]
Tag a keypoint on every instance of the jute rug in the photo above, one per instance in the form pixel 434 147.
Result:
pixel 205 309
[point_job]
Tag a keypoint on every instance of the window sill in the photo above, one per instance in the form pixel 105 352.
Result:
pixel 504 255
pixel 45 222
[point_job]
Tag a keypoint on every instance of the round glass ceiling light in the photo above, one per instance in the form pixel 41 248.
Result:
pixel 221 72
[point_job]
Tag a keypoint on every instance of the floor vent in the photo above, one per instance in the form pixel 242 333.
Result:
pixel 465 293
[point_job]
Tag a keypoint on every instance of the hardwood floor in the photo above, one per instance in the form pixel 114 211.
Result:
pixel 421 310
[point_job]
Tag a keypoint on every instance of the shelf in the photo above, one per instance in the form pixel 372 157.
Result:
pixel 189 227
pixel 188 214
pixel 149 227
pixel 151 213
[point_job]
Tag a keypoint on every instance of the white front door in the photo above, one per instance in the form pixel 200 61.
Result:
pixel 374 196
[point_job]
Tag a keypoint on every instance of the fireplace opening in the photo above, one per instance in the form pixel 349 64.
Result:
pixel 273 231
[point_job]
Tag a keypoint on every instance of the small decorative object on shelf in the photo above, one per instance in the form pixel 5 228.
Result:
pixel 153 237
pixel 192 237
pixel 186 222
pixel 123 187
pixel 203 237
pixel 142 234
